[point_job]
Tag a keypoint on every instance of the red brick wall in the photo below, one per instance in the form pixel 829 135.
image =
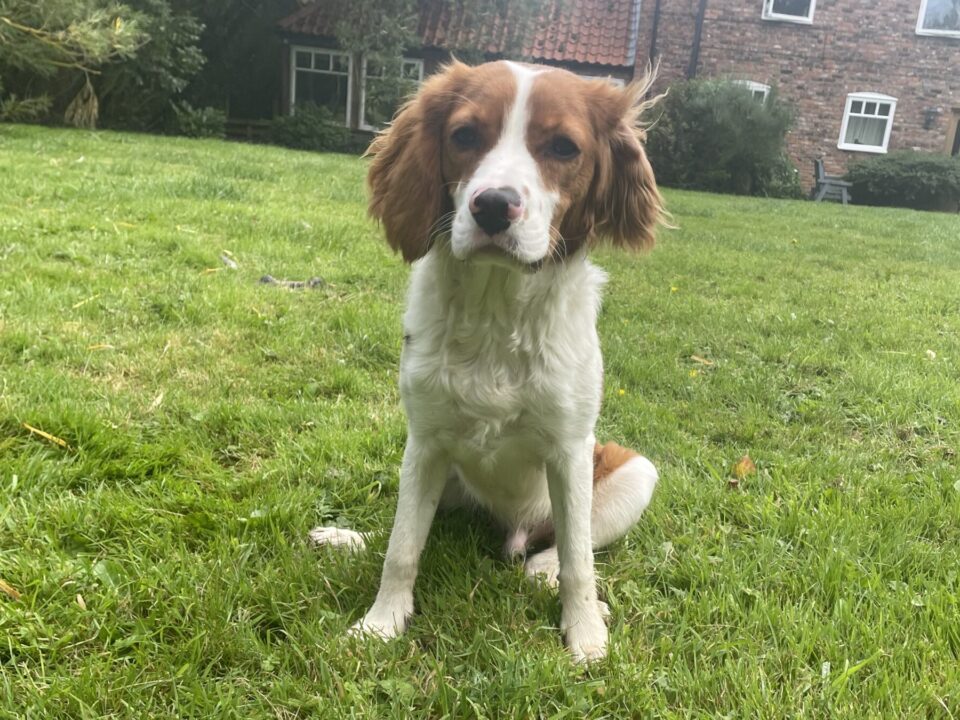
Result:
pixel 852 46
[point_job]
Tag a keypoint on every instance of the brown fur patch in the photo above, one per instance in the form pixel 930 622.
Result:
pixel 607 458
pixel 415 161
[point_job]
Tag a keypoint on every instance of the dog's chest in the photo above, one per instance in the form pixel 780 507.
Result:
pixel 497 364
pixel 482 395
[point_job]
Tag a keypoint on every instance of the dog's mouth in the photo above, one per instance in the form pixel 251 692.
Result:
pixel 494 254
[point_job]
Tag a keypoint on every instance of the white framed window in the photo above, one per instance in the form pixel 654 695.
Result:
pixel 379 100
pixel 760 91
pixel 867 121
pixel 321 77
pixel 795 11
pixel 939 17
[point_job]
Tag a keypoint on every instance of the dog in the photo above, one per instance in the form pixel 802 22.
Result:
pixel 494 181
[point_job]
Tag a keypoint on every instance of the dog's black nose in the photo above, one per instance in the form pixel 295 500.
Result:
pixel 495 208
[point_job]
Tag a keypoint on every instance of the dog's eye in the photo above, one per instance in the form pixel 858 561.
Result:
pixel 466 137
pixel 564 148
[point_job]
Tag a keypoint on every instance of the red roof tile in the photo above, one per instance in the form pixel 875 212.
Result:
pixel 601 32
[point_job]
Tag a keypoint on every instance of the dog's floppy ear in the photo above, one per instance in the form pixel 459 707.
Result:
pixel 627 205
pixel 631 207
pixel 405 177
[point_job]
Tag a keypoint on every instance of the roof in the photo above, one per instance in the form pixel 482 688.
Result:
pixel 599 32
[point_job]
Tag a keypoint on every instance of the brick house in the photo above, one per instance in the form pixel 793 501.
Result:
pixel 865 76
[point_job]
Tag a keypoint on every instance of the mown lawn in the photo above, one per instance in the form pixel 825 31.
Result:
pixel 156 566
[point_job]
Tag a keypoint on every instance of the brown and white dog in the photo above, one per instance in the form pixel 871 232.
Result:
pixel 494 181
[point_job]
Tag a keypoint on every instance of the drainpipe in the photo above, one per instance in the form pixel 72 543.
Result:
pixel 697 34
pixel 653 35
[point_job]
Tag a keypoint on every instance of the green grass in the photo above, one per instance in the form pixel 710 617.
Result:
pixel 211 421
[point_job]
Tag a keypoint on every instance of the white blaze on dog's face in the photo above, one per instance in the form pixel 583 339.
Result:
pixel 503 209
pixel 517 164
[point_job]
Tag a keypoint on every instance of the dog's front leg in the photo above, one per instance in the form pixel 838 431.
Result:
pixel 570 479
pixel 422 477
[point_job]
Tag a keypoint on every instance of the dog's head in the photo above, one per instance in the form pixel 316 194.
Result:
pixel 515 163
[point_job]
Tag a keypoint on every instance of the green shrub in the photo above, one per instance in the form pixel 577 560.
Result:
pixel 907 178
pixel 313 128
pixel 782 180
pixel 199 122
pixel 715 135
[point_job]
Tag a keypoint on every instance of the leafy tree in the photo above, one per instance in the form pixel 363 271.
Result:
pixel 69 39
pixel 139 92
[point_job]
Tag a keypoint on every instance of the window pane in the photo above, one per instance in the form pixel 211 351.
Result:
pixel 303 59
pixel 797 8
pixel 883 109
pixel 856 106
pixel 321 61
pixel 865 131
pixel 340 63
pixel 870 108
pixel 942 15
pixel 411 70
pixel 329 91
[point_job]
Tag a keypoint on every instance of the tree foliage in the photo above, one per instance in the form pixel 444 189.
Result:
pixel 44 40
pixel 45 36
pixel 49 45
pixel 138 92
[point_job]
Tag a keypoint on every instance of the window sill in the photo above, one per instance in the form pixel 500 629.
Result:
pixel 863 148
pixel 955 34
pixel 788 19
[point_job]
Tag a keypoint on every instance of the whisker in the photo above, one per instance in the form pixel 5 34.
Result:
pixel 441 225
pixel 558 242
pixel 445 216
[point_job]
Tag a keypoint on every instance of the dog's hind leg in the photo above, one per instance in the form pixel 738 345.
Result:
pixel 623 483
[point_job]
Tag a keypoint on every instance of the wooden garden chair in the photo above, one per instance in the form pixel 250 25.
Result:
pixel 829 187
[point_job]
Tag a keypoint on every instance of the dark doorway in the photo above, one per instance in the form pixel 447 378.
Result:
pixel 956 138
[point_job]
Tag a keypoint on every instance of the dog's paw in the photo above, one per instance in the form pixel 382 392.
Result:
pixel 544 568
pixel 585 633
pixel 382 623
pixel 336 537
